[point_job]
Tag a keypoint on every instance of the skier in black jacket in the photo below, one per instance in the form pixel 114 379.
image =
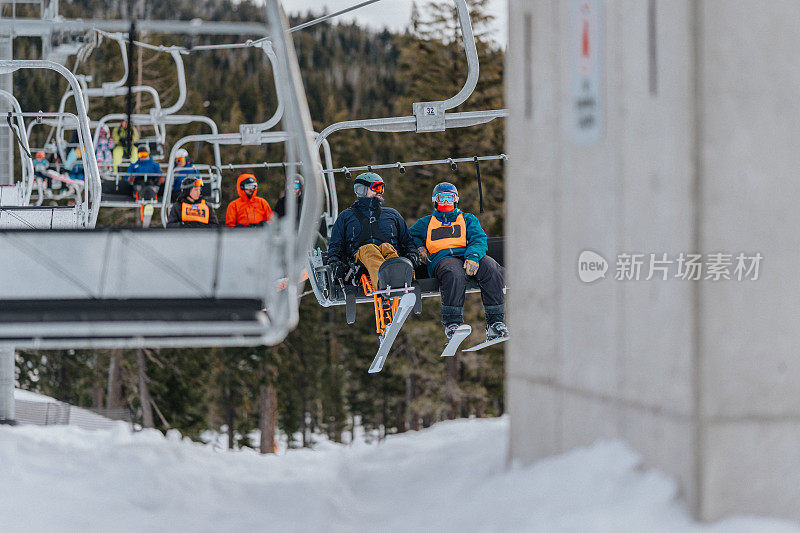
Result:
pixel 369 233
pixel 190 210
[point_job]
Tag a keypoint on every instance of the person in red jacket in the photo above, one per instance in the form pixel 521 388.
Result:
pixel 248 209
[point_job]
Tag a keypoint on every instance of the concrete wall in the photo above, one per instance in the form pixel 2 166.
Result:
pixel 697 152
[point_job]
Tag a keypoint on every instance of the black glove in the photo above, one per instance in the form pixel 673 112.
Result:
pixel 339 268
pixel 414 257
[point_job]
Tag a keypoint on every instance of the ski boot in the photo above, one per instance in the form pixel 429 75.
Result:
pixel 450 329
pixel 496 330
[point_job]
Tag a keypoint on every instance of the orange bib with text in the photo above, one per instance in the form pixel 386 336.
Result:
pixel 446 235
pixel 195 212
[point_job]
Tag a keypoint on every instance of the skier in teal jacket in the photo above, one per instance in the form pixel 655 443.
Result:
pixel 454 245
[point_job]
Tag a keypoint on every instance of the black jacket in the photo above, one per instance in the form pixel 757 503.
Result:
pixel 346 232
pixel 280 206
pixel 174 218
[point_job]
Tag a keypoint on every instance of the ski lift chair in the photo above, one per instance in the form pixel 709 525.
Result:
pixel 118 88
pixel 84 213
pixel 168 288
pixel 249 135
pixel 57 187
pixel 427 117
pixel 118 193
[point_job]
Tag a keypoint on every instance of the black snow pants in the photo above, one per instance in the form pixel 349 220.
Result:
pixel 453 285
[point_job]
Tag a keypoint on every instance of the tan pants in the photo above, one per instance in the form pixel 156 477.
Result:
pixel 372 257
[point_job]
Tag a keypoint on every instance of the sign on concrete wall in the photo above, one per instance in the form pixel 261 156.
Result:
pixel 585 76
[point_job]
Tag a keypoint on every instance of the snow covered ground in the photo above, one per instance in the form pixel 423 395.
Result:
pixel 452 477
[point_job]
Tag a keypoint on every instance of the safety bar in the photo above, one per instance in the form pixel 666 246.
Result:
pixel 401 165
pixel 26 163
pixel 401 124
pixel 163 120
pixel 107 93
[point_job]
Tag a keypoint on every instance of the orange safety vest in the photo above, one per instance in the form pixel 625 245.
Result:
pixel 445 235
pixel 198 212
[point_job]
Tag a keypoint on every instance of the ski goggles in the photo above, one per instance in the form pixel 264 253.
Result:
pixel 445 198
pixel 378 187
pixel 249 184
pixel 181 160
pixel 297 185
pixel 197 183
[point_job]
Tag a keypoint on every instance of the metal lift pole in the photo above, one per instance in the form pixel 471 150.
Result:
pixel 129 100
pixel 6 385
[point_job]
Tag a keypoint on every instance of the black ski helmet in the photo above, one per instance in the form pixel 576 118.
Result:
pixel 189 183
pixel 365 181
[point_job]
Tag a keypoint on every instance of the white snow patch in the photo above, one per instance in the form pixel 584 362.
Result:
pixel 28 396
pixel 452 477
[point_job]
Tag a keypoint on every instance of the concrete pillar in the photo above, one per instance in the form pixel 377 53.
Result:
pixel 654 126
pixel 6 385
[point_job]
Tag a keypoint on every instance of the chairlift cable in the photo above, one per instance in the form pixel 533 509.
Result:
pixel 332 15
pixel 248 43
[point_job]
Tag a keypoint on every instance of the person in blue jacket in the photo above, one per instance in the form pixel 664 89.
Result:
pixel 183 169
pixel 74 164
pixel 453 244
pixel 145 175
pixel 367 232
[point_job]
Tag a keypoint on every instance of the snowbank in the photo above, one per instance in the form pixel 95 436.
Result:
pixel 28 396
pixel 452 477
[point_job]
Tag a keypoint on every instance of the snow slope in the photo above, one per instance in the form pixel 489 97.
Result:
pixel 452 477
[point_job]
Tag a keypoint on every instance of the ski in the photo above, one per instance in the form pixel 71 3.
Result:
pixel 458 337
pixel 404 308
pixel 485 344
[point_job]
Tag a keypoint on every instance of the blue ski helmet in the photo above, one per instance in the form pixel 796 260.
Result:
pixel 365 181
pixel 446 189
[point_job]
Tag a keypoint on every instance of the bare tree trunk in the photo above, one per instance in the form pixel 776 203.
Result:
pixel 410 415
pixel 335 429
pixel 451 387
pixel 268 400
pixel 97 382
pixel 229 417
pixel 114 393
pixel 144 390
pixel 304 425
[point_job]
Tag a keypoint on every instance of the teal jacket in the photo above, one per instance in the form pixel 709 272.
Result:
pixel 476 238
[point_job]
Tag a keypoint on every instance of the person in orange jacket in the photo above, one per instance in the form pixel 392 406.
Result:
pixel 248 209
